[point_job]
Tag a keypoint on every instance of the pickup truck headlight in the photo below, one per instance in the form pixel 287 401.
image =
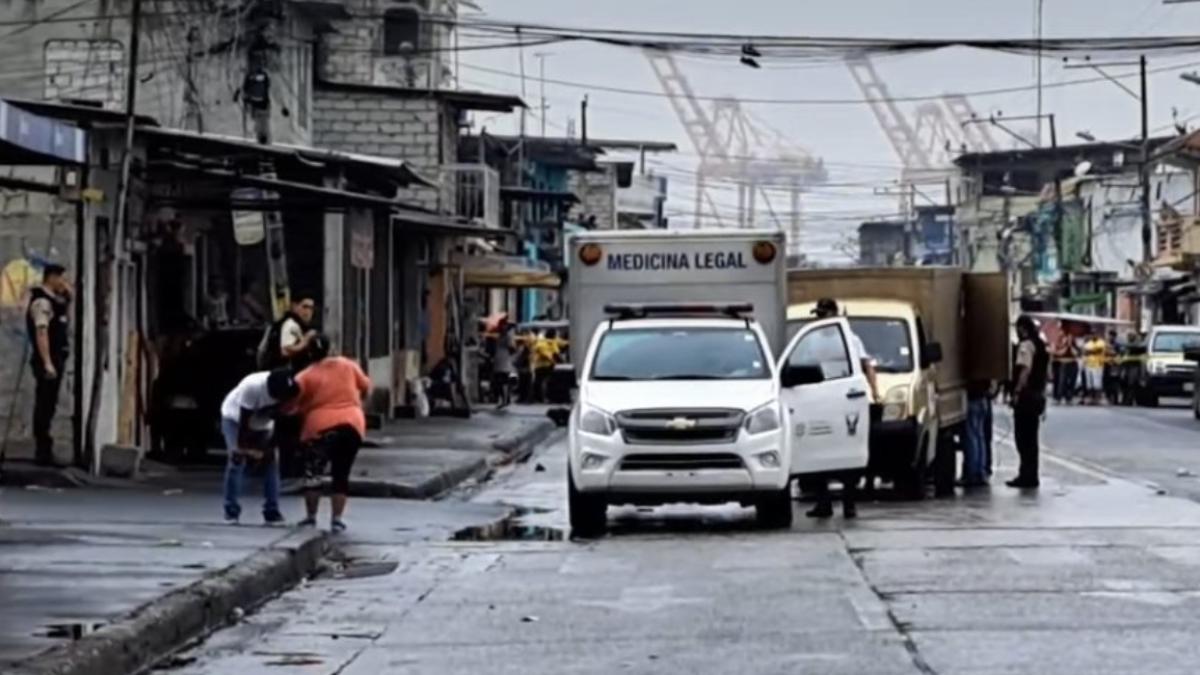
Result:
pixel 597 422
pixel 764 419
pixel 1157 367
pixel 895 404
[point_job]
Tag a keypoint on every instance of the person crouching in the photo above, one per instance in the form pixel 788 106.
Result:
pixel 247 424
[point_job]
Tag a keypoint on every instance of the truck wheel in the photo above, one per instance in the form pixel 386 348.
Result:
pixel 588 513
pixel 775 511
pixel 911 482
pixel 945 464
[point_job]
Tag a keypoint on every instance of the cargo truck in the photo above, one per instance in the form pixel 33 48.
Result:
pixel 929 331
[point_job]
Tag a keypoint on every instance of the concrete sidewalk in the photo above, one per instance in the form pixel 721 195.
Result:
pixel 421 459
pixel 407 459
pixel 103 581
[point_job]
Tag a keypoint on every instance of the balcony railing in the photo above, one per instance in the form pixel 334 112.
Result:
pixel 1178 242
pixel 476 190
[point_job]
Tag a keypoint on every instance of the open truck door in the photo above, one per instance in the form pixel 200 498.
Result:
pixel 988 324
pixel 826 398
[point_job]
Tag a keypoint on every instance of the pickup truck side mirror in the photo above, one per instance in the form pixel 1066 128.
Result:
pixel 798 376
pixel 932 354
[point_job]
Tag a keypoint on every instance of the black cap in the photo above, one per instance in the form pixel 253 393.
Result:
pixel 53 270
pixel 281 385
pixel 826 306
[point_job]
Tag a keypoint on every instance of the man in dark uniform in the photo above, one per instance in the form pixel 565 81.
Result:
pixel 1029 400
pixel 46 321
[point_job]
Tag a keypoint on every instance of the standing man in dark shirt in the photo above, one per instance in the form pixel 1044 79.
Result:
pixel 1029 400
pixel 46 321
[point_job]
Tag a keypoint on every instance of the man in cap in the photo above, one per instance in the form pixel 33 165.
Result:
pixel 47 322
pixel 827 308
pixel 247 423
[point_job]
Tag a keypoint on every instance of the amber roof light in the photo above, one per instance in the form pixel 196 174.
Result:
pixel 765 252
pixel 590 254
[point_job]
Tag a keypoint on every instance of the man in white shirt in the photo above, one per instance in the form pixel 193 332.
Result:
pixel 827 308
pixel 247 423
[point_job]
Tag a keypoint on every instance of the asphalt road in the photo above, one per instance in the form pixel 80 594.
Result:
pixel 1095 573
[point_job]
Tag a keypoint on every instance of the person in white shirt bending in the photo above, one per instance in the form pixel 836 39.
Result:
pixel 247 423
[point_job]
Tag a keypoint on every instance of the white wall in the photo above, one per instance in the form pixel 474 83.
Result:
pixel 1117 220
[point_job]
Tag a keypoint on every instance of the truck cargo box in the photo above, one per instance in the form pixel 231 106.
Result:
pixel 966 313
pixel 676 266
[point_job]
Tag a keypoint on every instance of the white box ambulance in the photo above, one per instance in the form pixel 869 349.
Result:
pixel 680 398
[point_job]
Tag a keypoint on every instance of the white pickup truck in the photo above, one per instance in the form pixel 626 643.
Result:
pixel 680 396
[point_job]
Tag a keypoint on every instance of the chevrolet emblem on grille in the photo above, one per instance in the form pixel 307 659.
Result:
pixel 681 424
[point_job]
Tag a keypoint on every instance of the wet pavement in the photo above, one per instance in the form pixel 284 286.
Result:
pixel 1093 573
pixel 72 561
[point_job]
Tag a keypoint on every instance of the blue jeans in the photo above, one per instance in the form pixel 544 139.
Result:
pixel 235 469
pixel 977 451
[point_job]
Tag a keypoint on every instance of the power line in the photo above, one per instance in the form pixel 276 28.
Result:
pixel 816 47
pixel 1000 91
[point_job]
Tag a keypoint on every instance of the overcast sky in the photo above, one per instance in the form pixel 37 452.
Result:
pixel 845 136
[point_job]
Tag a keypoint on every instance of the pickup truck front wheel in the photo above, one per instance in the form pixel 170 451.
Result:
pixel 775 510
pixel 588 513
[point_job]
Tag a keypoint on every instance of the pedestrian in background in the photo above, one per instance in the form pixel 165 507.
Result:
pixel 542 359
pixel 247 424
pixel 503 365
pixel 1065 370
pixel 47 323
pixel 286 341
pixel 522 362
pixel 1095 351
pixel 330 401
pixel 1028 400
pixel 976 462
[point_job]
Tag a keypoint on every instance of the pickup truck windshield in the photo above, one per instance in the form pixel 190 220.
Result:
pixel 640 354
pixel 1174 343
pixel 887 343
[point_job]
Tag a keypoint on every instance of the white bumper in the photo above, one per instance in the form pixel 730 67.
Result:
pixel 614 475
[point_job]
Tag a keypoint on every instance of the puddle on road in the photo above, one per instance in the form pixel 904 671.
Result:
pixel 511 528
pixel 70 631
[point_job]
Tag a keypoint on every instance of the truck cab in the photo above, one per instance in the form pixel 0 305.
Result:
pixel 684 403
pixel 905 435
pixel 1168 371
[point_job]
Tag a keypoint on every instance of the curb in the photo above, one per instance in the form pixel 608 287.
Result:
pixel 156 629
pixel 25 474
pixel 520 446
pixel 514 448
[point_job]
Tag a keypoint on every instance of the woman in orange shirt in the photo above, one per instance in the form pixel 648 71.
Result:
pixel 332 390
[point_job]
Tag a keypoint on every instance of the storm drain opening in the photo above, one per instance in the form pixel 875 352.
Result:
pixel 511 528
pixel 70 631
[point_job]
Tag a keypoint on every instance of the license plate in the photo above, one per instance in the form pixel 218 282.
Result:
pixel 1189 387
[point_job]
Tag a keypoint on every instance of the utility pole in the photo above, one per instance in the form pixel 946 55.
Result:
pixel 583 106
pixel 1147 224
pixel 116 245
pixel 1040 4
pixel 543 107
pixel 131 82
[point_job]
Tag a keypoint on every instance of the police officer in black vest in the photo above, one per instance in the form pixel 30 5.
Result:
pixel 46 320
pixel 1029 400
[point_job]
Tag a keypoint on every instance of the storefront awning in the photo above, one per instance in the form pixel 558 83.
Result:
pixel 32 139
pixel 496 271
